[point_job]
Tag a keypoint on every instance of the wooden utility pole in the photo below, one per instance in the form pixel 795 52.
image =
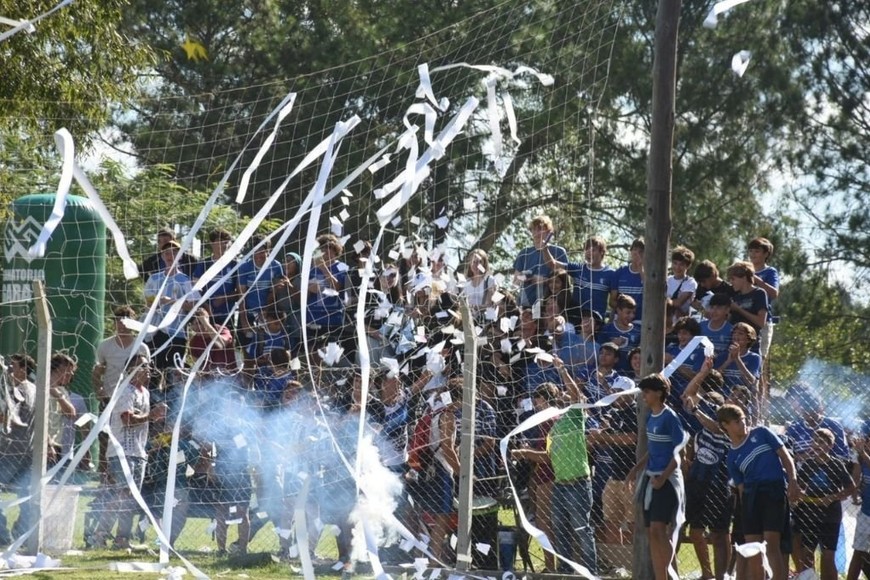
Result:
pixel 40 416
pixel 658 230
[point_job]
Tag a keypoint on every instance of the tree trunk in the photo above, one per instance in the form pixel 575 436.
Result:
pixel 658 230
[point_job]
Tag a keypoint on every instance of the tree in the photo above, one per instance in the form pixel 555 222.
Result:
pixel 70 70
pixel 830 39
pixel 819 320
pixel 200 113
pixel 67 73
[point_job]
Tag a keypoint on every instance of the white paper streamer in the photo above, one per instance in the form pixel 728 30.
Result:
pixel 425 89
pixel 28 25
pixel 545 79
pixel 492 114
pixel 740 62
pixel 718 9
pixel 70 170
pixel 497 73
pixel 436 151
pixel 687 352
pixel 13 23
pixel 752 549
pixel 64 142
pixel 534 421
pixel 267 144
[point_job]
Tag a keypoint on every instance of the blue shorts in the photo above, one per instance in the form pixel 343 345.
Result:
pixel 435 493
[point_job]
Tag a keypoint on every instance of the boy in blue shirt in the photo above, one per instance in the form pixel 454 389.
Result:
pixel 661 489
pixel 767 279
pixel 824 481
pixel 766 479
pixel 530 266
pixel 255 279
pixel 592 279
pixel 628 279
pixel 716 326
pixel 622 331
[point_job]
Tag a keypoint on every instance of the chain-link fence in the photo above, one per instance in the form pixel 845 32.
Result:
pixel 307 457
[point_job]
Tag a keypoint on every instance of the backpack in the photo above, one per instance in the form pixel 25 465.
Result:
pixel 421 453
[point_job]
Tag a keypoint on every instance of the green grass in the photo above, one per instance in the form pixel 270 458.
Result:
pixel 196 544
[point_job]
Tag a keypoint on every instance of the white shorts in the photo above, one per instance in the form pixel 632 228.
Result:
pixel 862 533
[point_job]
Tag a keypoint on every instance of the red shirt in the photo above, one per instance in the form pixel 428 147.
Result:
pixel 219 357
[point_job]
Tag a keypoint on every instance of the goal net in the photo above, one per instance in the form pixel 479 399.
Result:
pixel 322 264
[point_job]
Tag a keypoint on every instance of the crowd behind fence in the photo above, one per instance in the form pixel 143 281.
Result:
pixel 267 410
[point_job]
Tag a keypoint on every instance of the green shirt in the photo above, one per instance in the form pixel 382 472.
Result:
pixel 567 446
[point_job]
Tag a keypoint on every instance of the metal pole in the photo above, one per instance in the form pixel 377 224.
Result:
pixel 40 415
pixel 466 442
pixel 658 231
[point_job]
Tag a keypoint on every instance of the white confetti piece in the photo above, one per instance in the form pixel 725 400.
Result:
pixel 331 354
pixel 445 397
pixel 718 9
pixel 482 548
pixel 507 324
pixel 501 390
pixel 436 573
pixel 233 509
pixel 234 522
pixel 338 566
pixel 240 441
pixel 740 62
pixel 544 357
pixel 380 164
pixel 137 326
pixel 506 346
pixel 453 540
pixel 180 458
pixel 415 220
pixel 406 545
pixel 85 419
pixel 335 226
pixel 442 222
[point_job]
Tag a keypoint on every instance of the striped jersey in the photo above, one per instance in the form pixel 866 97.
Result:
pixel 755 460
pixel 665 434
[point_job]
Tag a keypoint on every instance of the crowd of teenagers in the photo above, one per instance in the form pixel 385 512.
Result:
pixel 270 374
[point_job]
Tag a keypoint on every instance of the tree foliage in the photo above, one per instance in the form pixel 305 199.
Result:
pixel 831 40
pixel 69 71
pixel 819 320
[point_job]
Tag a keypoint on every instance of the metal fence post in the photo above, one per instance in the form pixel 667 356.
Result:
pixel 466 442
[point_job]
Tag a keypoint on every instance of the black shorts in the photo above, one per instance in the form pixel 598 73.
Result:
pixel 737 536
pixel 663 506
pixel 818 526
pixel 709 505
pixel 825 535
pixel 765 509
